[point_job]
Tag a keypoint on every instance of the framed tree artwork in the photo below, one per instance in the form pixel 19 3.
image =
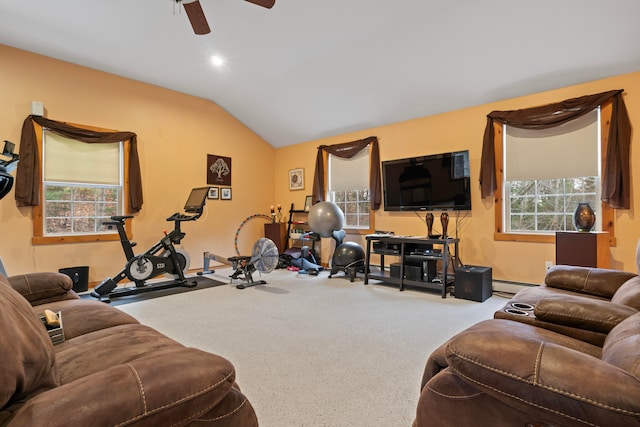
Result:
pixel 218 170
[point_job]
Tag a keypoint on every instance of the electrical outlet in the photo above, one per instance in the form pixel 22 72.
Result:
pixel 548 265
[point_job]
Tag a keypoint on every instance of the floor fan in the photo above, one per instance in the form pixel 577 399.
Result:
pixel 264 258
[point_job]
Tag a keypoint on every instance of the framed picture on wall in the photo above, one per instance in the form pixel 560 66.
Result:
pixel 225 193
pixel 218 170
pixel 307 203
pixel 296 179
pixel 213 193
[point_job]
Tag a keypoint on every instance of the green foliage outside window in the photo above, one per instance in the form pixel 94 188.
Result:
pixel 355 205
pixel 79 209
pixel 547 205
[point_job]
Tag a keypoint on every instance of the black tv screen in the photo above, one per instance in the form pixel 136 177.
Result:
pixel 195 201
pixel 434 182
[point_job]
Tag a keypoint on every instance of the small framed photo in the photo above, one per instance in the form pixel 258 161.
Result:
pixel 307 203
pixel 213 193
pixel 225 193
pixel 296 179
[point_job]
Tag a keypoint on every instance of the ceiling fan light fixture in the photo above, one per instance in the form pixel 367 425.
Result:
pixel 217 61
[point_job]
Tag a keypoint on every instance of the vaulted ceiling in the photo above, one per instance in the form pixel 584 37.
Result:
pixel 308 69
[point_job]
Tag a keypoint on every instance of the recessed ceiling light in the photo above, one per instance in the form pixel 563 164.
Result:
pixel 217 60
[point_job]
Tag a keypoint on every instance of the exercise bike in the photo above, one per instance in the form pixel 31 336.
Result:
pixel 161 258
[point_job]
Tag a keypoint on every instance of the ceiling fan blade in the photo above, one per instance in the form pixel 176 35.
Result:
pixel 264 3
pixel 196 17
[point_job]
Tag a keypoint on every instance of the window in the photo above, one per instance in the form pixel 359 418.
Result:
pixel 547 172
pixel 82 185
pixel 615 140
pixel 348 182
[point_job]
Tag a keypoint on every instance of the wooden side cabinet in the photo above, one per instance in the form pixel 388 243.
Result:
pixel 583 249
pixel 277 232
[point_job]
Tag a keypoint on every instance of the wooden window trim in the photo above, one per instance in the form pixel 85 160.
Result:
pixel 38 232
pixel 608 213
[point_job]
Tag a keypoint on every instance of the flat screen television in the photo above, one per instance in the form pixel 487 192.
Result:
pixel 434 182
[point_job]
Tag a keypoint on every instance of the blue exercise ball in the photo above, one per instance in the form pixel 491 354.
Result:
pixel 325 217
pixel 347 253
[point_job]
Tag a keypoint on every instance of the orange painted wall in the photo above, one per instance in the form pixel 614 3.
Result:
pixel 463 130
pixel 175 134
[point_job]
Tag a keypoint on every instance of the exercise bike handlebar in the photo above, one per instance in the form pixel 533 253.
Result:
pixel 120 219
pixel 179 217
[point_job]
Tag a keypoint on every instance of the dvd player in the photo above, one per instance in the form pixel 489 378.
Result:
pixel 386 248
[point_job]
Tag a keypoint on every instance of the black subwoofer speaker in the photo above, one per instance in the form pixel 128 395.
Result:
pixel 79 276
pixel 413 272
pixel 473 283
pixel 394 270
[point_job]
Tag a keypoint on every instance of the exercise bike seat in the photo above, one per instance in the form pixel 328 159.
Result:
pixel 121 218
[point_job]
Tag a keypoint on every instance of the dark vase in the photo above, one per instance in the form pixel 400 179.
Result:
pixel 429 219
pixel 444 219
pixel 584 217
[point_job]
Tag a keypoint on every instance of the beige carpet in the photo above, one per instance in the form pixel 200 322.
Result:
pixel 313 351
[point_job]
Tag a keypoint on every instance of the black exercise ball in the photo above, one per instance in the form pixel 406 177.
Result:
pixel 347 253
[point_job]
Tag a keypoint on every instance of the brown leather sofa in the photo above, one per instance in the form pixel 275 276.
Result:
pixel 581 302
pixel 109 370
pixel 504 373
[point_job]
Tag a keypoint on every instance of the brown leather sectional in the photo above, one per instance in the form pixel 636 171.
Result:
pixel 109 370
pixel 566 353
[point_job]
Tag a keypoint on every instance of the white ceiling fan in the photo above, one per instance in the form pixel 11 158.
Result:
pixel 198 19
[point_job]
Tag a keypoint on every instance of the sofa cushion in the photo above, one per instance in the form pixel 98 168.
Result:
pixel 88 353
pixel 582 313
pixel 629 293
pixel 42 286
pixel 82 316
pixel 600 282
pixel 622 344
pixel 28 357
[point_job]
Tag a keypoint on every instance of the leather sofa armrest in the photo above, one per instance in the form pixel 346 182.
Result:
pixel 582 313
pixel 600 282
pixel 43 287
pixel 169 388
pixel 539 371
pixel 437 362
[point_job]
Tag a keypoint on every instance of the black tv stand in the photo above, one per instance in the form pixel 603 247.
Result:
pixel 414 253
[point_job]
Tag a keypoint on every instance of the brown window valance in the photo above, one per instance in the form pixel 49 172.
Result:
pixel 616 175
pixel 347 150
pixel 27 190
